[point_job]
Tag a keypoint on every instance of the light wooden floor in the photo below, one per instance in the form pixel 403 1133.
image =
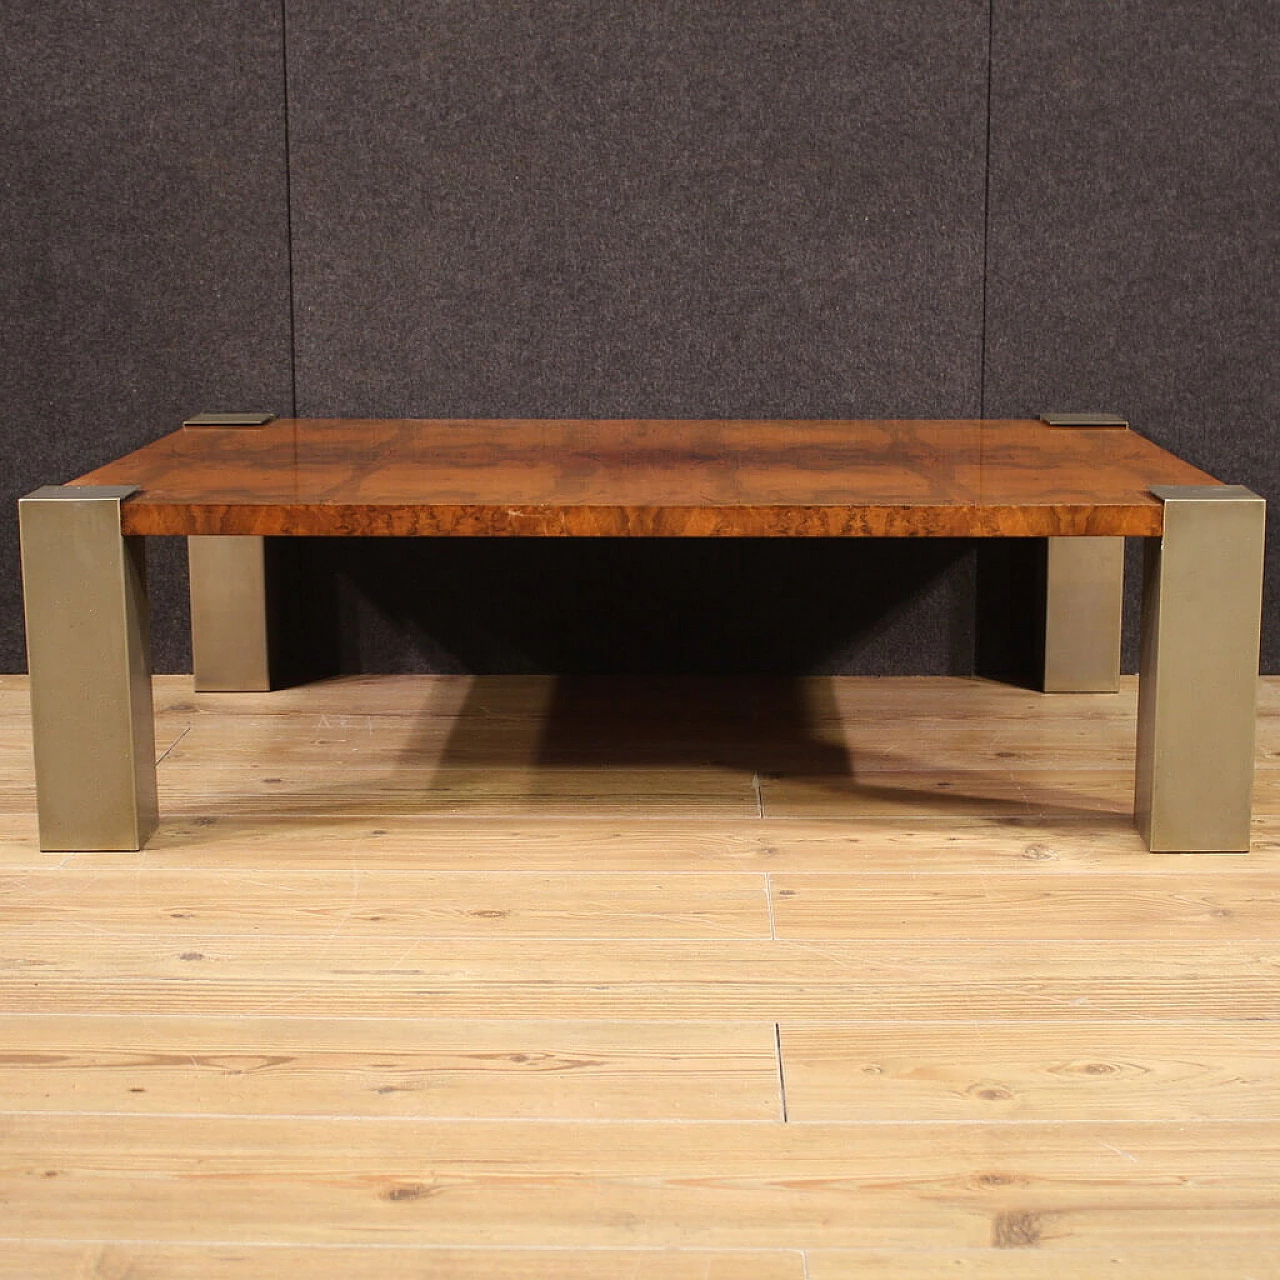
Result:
pixel 528 980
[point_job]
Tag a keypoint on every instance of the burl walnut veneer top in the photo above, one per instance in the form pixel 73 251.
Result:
pixel 656 478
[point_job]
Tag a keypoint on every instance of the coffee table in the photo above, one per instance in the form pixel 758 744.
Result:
pixel 1082 485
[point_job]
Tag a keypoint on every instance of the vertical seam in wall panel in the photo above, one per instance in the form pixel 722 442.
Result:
pixel 986 218
pixel 288 210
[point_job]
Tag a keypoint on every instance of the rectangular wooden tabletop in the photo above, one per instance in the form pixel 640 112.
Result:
pixel 648 478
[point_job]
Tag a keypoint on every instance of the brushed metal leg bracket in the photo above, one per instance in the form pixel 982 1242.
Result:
pixel 1084 604
pixel 89 659
pixel 230 420
pixel 1083 420
pixel 230 640
pixel 1202 602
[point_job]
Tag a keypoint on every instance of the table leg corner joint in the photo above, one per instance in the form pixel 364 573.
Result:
pixel 1197 701
pixel 88 649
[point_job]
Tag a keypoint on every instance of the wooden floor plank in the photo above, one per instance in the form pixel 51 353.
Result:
pixel 950 793
pixel 730 979
pixel 378 903
pixel 921 962
pixel 188 1064
pixel 1169 904
pixel 1214 998
pixel 818 696
pixel 618 740
pixel 186 790
pixel 1071 847
pixel 333 1181
pixel 528 750
pixel 512 696
pixel 24 1260
pixel 308 739
pixel 1254 1259
pixel 970 793
pixel 1020 1070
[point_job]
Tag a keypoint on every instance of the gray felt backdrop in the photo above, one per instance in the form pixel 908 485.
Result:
pixel 721 208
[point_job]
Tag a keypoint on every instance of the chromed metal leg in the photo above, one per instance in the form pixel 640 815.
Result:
pixel 230 645
pixel 1202 600
pixel 90 670
pixel 1084 599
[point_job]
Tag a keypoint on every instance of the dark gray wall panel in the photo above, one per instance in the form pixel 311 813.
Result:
pixel 596 208
pixel 145 272
pixel 674 208
pixel 1134 229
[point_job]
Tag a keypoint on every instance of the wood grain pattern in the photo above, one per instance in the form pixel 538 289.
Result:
pixel 1031 1071
pixel 1190 1260
pixel 652 478
pixel 1174 904
pixel 944 793
pixel 940 699
pixel 631 1183
pixel 183 1064
pixel 1253 1259
pixel 53 971
pixel 1068 846
pixel 22 1260
pixel 613 740
pixel 947 793
pixel 268 793
pixel 394 904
